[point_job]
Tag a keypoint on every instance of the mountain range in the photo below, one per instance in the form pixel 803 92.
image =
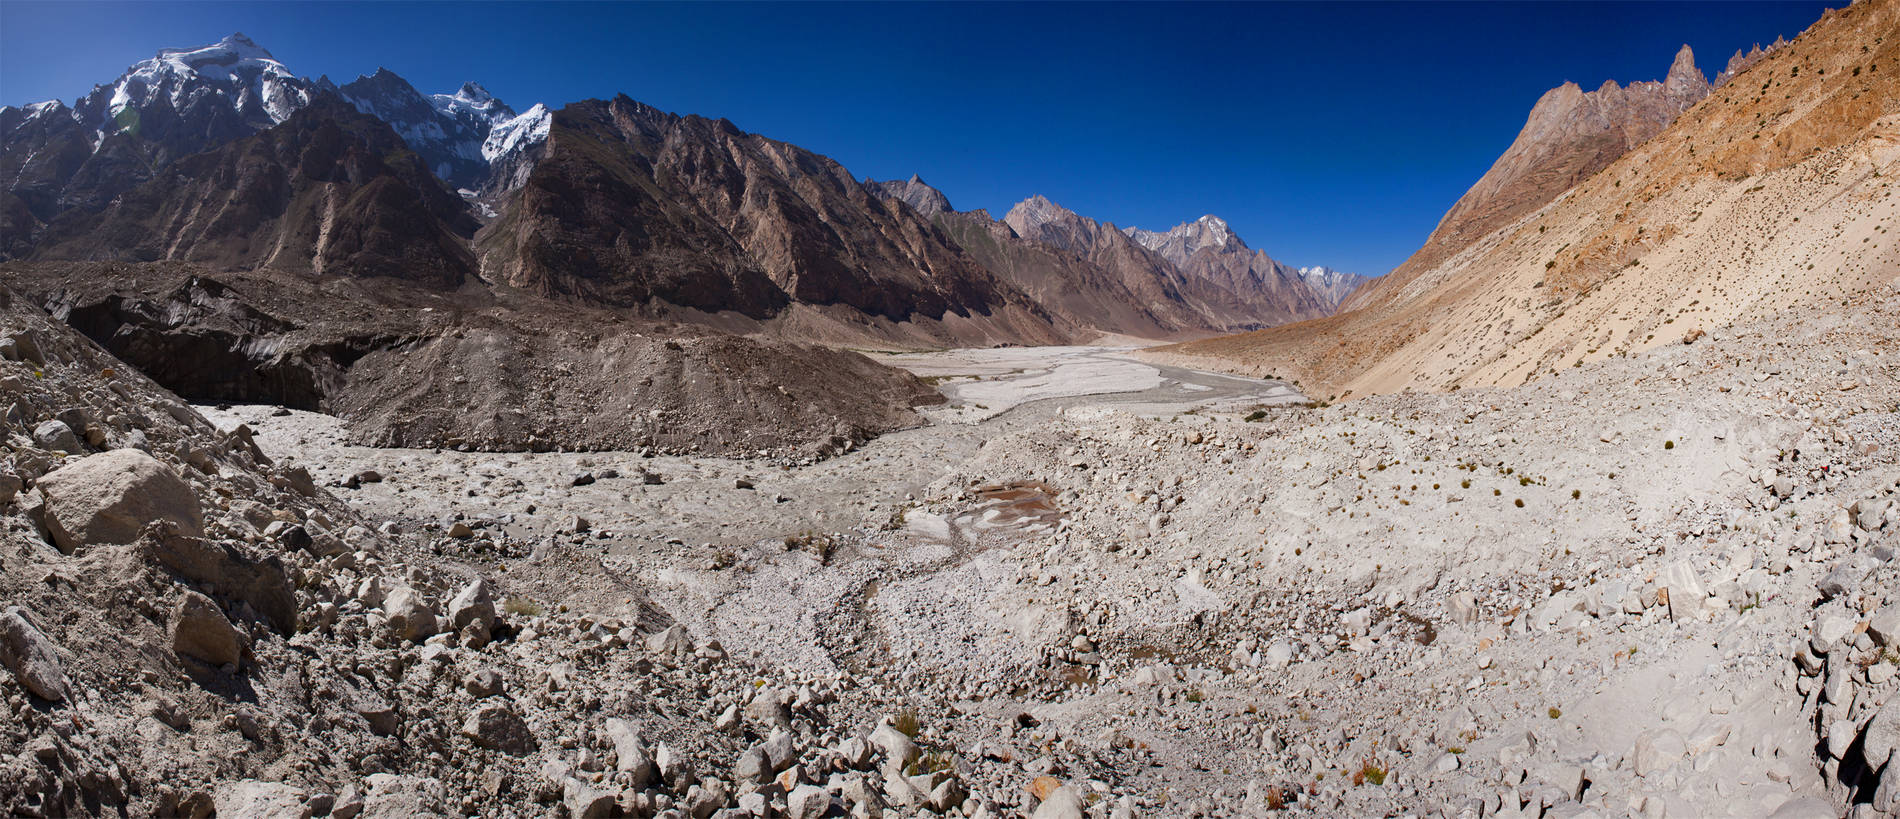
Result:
pixel 244 233
pixel 607 203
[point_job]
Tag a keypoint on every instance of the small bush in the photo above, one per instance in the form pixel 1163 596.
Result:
pixel 1669 445
pixel 1256 415
pixel 522 606
pixel 907 724
pixel 1519 503
pixel 1555 712
pixel 1369 773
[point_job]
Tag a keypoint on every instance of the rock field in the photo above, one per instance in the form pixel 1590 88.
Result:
pixel 1656 585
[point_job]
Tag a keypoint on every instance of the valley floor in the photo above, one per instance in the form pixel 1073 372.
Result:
pixel 1654 585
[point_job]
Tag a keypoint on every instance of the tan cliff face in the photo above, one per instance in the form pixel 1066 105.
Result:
pixel 1569 135
pixel 1775 190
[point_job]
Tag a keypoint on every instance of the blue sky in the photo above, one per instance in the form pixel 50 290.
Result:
pixel 1331 134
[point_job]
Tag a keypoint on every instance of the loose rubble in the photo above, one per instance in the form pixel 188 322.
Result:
pixel 1656 585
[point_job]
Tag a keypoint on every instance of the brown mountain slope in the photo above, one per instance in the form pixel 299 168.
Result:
pixel 1775 190
pixel 1569 135
pixel 1207 249
pixel 630 206
pixel 1198 298
pixel 330 191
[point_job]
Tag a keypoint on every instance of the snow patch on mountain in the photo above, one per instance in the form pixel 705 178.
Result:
pixel 518 134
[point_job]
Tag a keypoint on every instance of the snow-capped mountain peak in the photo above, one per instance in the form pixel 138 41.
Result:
pixel 472 103
pixel 236 68
pixel 471 94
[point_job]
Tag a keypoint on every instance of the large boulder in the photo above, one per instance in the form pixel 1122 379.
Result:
pixel 202 632
pixel 496 725
pixel 472 613
pixel 410 615
pixel 31 656
pixel 254 799
pixel 109 497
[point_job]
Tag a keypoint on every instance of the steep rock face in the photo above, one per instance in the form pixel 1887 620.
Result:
pixel 926 200
pixel 1569 135
pixel 629 205
pixel 514 146
pixel 330 191
pixel 1066 283
pixel 1772 193
pixel 41 147
pixel 1200 264
pixel 447 130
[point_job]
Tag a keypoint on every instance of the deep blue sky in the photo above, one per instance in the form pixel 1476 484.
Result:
pixel 1330 134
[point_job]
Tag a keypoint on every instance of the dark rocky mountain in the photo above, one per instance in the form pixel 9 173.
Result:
pixel 176 104
pixel 447 130
pixel 184 101
pixel 331 191
pixel 1067 283
pixel 630 205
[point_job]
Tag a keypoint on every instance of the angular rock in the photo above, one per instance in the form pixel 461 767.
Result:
pixel 253 799
pixel 1882 734
pixel 1686 591
pixel 807 802
pixel 496 725
pixel 767 709
pixel 56 435
pixel 1657 751
pixel 899 751
pixel 584 801
pixel 31 656
pixel 1061 803
pixel 111 496
pixel 673 641
pixel 410 615
pixel 1884 626
pixel 202 632
pixel 631 751
pixel 472 613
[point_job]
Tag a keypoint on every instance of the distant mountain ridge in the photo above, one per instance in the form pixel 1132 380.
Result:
pixel 1093 272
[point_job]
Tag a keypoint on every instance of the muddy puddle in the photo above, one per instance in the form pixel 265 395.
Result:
pixel 1028 506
